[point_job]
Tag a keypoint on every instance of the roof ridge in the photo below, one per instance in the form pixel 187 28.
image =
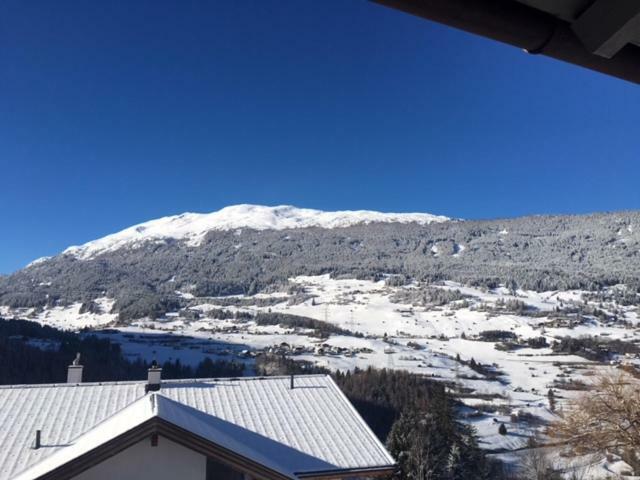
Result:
pixel 64 384
pixel 168 380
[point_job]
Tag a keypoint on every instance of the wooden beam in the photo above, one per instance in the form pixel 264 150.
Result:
pixel 607 26
pixel 372 472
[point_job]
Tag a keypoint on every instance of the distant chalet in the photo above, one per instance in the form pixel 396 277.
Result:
pixel 235 428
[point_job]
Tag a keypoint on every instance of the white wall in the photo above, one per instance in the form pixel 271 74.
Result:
pixel 168 461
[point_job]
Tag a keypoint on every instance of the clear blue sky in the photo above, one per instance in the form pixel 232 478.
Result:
pixel 113 113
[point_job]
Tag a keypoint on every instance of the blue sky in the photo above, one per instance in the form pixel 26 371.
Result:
pixel 115 113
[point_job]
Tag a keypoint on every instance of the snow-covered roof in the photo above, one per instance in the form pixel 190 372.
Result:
pixel 311 428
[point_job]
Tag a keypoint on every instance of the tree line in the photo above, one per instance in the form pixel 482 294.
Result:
pixel 33 353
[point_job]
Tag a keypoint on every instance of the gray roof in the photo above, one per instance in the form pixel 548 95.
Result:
pixel 310 428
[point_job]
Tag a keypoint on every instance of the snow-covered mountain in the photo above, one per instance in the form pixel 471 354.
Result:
pixel 192 227
pixel 249 249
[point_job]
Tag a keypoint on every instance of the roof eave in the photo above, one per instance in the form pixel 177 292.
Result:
pixel 348 472
pixel 525 27
pixel 166 429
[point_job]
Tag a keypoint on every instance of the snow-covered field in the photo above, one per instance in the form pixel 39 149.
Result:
pixel 442 342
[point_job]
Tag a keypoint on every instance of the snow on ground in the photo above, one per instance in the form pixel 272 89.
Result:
pixel 585 467
pixel 68 317
pixel 437 341
pixel 38 261
pixel 546 301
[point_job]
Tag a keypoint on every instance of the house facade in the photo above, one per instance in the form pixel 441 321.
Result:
pixel 237 429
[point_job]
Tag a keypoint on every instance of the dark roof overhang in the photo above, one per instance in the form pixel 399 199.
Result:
pixel 607 28
pixel 348 473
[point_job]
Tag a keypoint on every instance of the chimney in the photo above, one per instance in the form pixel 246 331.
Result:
pixel 38 443
pixel 74 372
pixel 292 382
pixel 154 378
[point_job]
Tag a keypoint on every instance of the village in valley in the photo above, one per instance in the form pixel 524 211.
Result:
pixel 511 357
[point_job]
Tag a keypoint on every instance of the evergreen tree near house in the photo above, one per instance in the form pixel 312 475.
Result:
pixel 433 446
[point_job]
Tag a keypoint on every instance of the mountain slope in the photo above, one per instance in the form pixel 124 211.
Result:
pixel 256 253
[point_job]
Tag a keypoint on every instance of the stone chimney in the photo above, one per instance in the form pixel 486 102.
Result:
pixel 74 372
pixel 154 378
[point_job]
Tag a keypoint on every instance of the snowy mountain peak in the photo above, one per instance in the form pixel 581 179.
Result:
pixel 192 227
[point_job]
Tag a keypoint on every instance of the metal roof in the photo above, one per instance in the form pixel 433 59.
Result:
pixel 310 428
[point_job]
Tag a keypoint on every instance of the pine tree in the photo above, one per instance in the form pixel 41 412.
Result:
pixel 552 400
pixel 420 447
pixel 433 446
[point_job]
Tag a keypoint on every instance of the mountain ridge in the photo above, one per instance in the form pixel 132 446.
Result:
pixel 192 227
pixel 538 253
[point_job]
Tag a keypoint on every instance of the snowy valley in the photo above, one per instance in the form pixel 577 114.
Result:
pixel 493 348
